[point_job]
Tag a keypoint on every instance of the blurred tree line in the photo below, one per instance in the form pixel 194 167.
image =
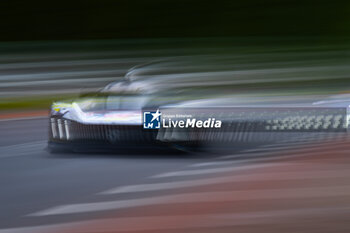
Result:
pixel 109 19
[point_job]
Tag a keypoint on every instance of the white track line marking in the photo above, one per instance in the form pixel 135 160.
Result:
pixel 273 176
pixel 226 157
pixel 267 151
pixel 172 222
pixel 225 196
pixel 21 149
pixel 213 170
pixel 299 152
pixel 269 157
pixel 287 144
pixel 24 118
pixel 207 164
pixel 256 152
pixel 284 147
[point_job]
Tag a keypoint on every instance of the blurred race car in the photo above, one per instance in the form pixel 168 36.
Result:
pixel 108 119
pixel 112 118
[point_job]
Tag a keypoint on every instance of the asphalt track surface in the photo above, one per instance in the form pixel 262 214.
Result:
pixel 41 192
pixel 32 179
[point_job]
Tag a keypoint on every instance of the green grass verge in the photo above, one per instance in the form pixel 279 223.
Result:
pixel 31 103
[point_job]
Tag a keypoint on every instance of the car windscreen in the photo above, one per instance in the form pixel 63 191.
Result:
pixel 125 102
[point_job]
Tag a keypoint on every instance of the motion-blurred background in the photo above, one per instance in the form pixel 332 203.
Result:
pixel 84 20
pixel 51 50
